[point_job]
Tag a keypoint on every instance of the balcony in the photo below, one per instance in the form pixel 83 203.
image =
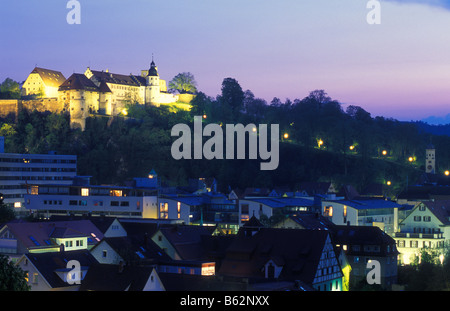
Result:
pixel 438 235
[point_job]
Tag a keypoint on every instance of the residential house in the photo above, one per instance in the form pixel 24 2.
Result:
pixel 182 242
pixel 82 198
pixel 17 238
pixel 120 277
pixel 363 244
pixel 362 211
pixel 212 209
pixel 61 271
pixel 43 82
pixel 272 206
pixel 307 256
pixel 427 226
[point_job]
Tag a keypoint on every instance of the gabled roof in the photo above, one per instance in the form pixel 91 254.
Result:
pixel 38 234
pixel 135 250
pixel 78 82
pixel 297 251
pixel 51 78
pixel 114 78
pixel 187 239
pixel 312 221
pixel 48 264
pixel 102 223
pixel 106 277
pixel 362 235
pixel 440 209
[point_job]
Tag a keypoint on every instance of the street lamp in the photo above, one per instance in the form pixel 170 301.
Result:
pixel 447 173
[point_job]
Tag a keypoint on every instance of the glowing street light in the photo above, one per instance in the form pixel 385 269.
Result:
pixel 320 142
pixel 352 147
pixel 286 135
pixel 388 183
pixel 411 159
pixel 204 116
pixel 447 173
pixel 384 152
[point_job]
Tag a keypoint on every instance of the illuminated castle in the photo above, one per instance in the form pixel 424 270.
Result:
pixel 98 92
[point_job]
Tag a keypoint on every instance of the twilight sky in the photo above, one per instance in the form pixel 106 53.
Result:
pixel 284 49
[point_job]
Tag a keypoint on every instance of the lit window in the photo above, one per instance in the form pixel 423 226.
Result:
pixel 84 192
pixel 17 205
pixel 116 193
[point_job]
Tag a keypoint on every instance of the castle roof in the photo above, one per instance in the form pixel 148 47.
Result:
pixel 78 82
pixel 50 77
pixel 153 71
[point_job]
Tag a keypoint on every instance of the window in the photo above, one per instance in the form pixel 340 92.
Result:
pixel 73 202
pixel 417 218
pixel 178 210
pixel 422 208
pixel 104 253
pixel 427 218
pixel 85 192
pixel 124 203
pixel 114 203
pixel 328 211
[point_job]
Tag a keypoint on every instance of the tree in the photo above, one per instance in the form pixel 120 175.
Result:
pixel 6 213
pixel 184 83
pixel 12 278
pixel 9 89
pixel 231 100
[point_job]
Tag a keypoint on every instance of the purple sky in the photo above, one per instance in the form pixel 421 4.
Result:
pixel 285 49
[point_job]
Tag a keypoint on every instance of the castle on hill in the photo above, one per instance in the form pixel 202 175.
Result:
pixel 93 92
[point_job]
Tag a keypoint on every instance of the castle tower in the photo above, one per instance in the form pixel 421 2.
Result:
pixel 152 90
pixel 430 160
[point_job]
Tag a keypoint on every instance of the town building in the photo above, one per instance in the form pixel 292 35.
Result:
pixel 205 209
pixel 17 238
pixel 307 256
pixel 363 211
pixel 81 198
pixel 43 83
pixel 54 272
pixel 363 244
pixel 427 226
pixel 272 206
pixel 19 171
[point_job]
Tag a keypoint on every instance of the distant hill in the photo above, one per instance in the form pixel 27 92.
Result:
pixel 439 130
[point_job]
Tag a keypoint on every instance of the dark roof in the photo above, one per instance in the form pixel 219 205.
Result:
pixel 107 277
pixel 78 81
pixel 153 71
pixel 441 209
pixel 298 251
pixel 51 78
pixel 49 263
pixel 108 77
pixel 362 235
pixel 312 221
pixel 192 282
pixel 137 250
pixel 187 239
pixel 102 223
pixel 36 234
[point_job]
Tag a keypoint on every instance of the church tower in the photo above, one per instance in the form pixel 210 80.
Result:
pixel 152 90
pixel 430 160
